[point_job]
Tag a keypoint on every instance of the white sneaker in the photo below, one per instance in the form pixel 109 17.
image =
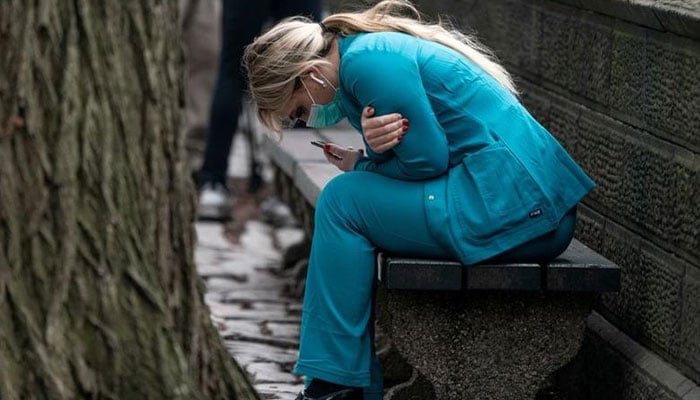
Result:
pixel 214 202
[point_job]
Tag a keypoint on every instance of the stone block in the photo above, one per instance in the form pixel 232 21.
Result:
pixel 557 37
pixel 660 298
pixel 581 269
pixel 655 82
pixel 489 345
pixel 598 151
pixel 690 319
pixel 648 305
pixel 537 104
pixel 574 52
pixel 640 180
pixel 589 230
pixel 627 71
pixel 623 248
pixel 672 89
pixel 563 124
pixel 512 30
pixel 418 274
pixel 649 78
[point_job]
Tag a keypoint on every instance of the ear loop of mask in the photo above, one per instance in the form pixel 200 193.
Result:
pixel 308 92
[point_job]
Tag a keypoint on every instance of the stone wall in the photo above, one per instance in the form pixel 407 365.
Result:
pixel 618 83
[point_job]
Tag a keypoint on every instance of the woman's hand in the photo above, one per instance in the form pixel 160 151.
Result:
pixel 384 132
pixel 342 157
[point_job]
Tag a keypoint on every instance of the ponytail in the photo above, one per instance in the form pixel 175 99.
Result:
pixel 402 16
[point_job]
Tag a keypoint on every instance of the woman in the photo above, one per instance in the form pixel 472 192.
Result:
pixel 455 165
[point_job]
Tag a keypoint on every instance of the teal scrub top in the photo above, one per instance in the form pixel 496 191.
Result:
pixel 494 178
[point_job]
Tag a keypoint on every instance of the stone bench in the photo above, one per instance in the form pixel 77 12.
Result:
pixel 446 331
pixel 579 269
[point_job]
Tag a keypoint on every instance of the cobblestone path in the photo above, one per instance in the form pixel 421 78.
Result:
pixel 246 295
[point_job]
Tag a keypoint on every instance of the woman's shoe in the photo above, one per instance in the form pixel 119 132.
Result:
pixel 345 394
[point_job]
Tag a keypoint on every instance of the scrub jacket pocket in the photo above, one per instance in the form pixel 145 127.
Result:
pixel 492 192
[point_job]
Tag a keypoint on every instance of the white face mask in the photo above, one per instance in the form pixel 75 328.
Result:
pixel 324 115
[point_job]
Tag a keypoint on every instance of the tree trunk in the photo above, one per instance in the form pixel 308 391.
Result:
pixel 99 296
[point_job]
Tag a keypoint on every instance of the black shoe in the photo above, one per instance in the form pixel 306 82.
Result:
pixel 345 394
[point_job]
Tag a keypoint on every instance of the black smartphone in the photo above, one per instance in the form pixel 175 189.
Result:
pixel 318 143
pixel 322 144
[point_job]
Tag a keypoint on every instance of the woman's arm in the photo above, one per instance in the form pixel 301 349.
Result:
pixel 391 83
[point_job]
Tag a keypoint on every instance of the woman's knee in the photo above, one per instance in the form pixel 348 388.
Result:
pixel 338 197
pixel 340 191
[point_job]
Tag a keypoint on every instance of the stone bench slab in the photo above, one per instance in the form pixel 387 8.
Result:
pixel 424 274
pixel 577 269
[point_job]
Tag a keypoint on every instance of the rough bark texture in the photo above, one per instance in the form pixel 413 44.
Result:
pixel 99 296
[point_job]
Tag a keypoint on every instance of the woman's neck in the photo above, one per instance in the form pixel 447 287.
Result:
pixel 333 57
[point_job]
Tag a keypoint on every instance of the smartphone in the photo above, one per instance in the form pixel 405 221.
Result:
pixel 322 144
pixel 318 143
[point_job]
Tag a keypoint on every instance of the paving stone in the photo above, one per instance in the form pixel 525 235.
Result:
pixel 239 327
pixel 287 237
pixel 257 241
pixel 221 285
pixel 270 373
pixel 246 297
pixel 256 294
pixel 210 236
pixel 250 311
pixel 246 353
pixel 283 330
pixel 278 390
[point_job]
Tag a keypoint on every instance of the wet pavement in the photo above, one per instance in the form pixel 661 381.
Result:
pixel 247 289
pixel 246 292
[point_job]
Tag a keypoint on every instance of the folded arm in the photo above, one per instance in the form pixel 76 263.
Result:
pixel 391 83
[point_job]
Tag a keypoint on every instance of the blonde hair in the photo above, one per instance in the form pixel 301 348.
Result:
pixel 276 60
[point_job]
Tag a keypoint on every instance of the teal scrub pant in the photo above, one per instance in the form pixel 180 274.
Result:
pixel 356 213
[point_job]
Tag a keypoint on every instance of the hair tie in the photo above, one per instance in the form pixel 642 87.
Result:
pixel 323 27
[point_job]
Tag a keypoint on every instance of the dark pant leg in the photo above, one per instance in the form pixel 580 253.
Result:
pixel 284 8
pixel 241 22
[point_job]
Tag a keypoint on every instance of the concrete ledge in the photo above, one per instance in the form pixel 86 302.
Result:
pixel 674 16
pixel 293 148
pixel 663 380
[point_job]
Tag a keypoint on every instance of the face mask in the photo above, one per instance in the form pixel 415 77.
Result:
pixel 324 115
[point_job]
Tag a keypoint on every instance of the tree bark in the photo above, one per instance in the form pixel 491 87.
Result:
pixel 99 296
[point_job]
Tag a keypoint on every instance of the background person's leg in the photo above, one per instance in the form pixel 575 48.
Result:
pixel 285 8
pixel 241 21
